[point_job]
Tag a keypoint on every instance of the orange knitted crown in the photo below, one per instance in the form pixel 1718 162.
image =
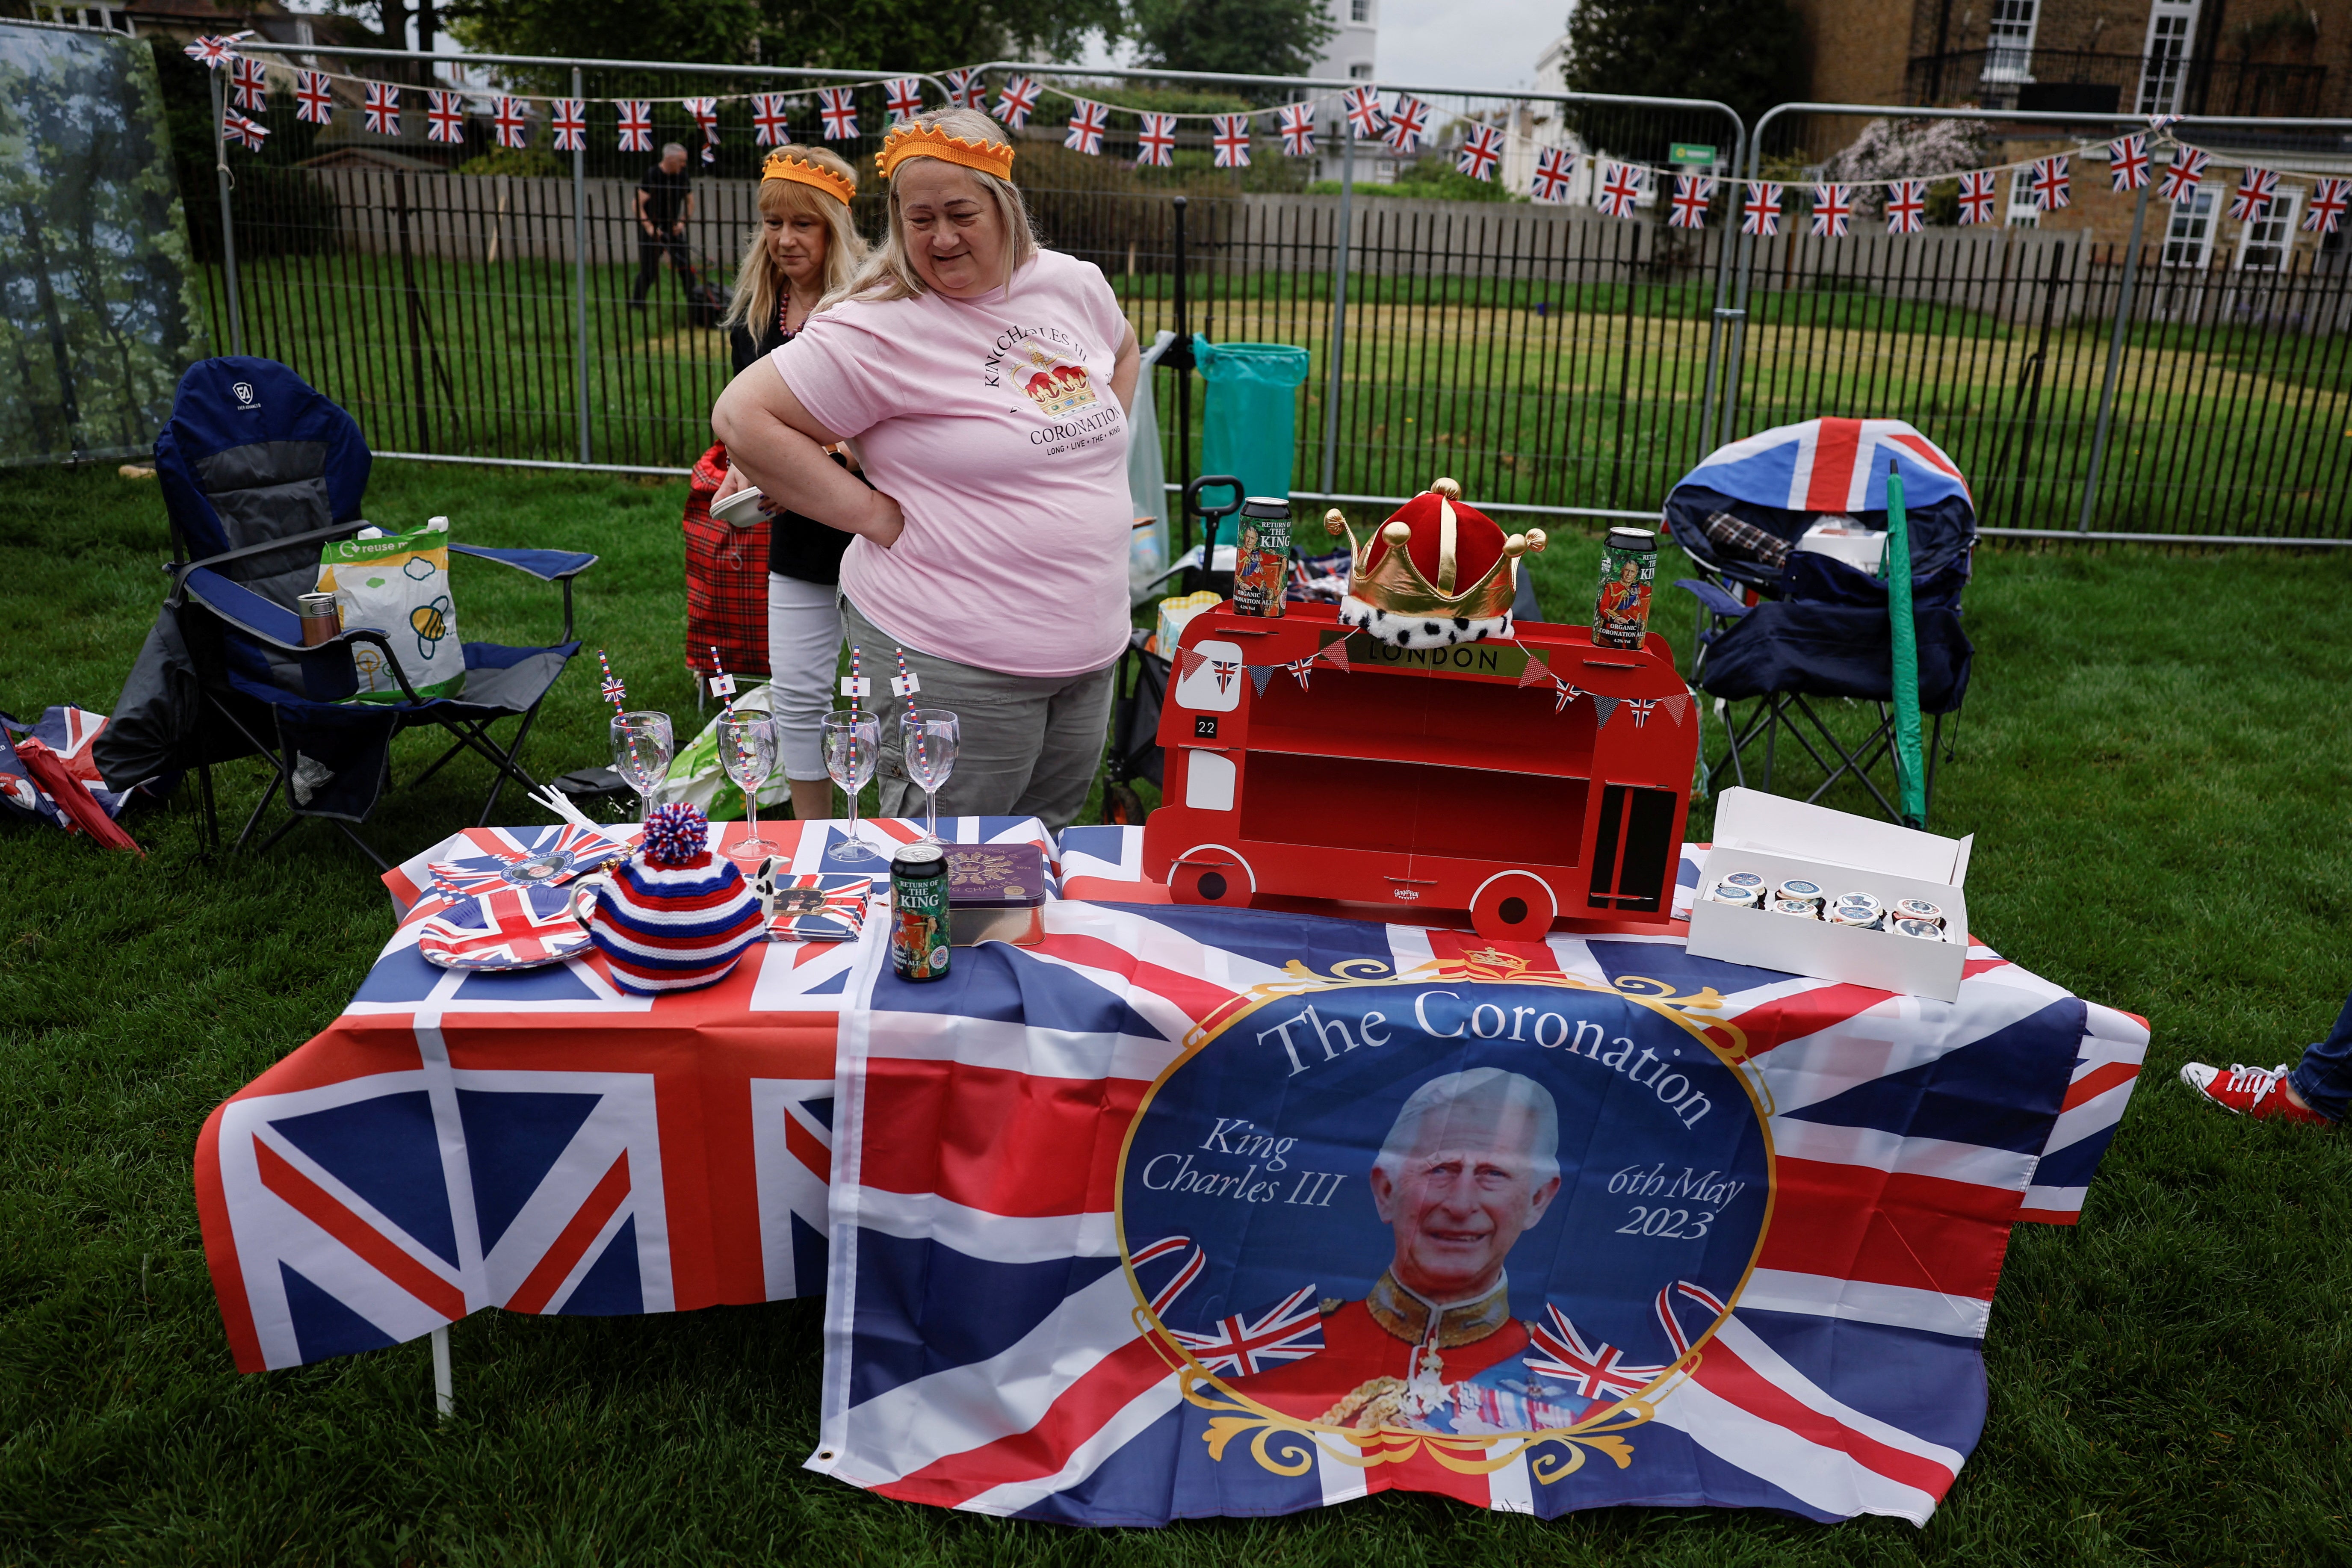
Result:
pixel 789 165
pixel 907 140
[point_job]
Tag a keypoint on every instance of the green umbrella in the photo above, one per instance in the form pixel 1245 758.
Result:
pixel 1909 775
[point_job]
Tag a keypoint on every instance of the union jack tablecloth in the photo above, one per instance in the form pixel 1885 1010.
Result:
pixel 1154 1222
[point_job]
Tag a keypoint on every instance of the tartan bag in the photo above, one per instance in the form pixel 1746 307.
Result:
pixel 726 580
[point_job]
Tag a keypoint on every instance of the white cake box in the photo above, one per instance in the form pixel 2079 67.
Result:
pixel 1780 840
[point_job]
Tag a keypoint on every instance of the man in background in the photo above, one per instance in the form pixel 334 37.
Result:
pixel 664 201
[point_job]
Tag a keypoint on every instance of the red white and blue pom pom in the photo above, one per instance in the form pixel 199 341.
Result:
pixel 676 834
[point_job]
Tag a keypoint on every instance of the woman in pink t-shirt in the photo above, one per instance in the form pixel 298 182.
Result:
pixel 984 383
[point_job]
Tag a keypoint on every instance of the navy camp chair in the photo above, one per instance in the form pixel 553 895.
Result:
pixel 1779 627
pixel 259 470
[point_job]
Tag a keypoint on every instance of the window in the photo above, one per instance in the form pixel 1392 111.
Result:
pixel 1360 71
pixel 2264 244
pixel 2023 212
pixel 2008 40
pixel 2188 238
pixel 2171 24
pixel 1359 11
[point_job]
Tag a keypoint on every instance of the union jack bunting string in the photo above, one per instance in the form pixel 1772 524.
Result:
pixel 511 118
pixel 636 124
pixel 965 90
pixel 1295 122
pixel 1408 124
pixel 1763 209
pixel 568 118
pixel 1976 196
pixel 1619 191
pixel 314 104
pixel 2256 189
pixel 1366 118
pixel 1906 213
pixel 1687 208
pixel 235 127
pixel 706 114
pixel 1088 124
pixel 1595 1372
pixel 1832 210
pixel 2051 184
pixel 2184 174
pixel 1481 150
pixel 209 52
pixel 445 116
pixel 771 122
pixel 2328 200
pixel 2127 162
pixel 383 108
pixel 1156 143
pixel 1016 101
pixel 1642 708
pixel 903 96
pixel 1291 1329
pixel 838 107
pixel 1555 170
pixel 1230 135
pixel 250 80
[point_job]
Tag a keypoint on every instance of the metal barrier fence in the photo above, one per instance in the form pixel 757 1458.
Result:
pixel 1549 357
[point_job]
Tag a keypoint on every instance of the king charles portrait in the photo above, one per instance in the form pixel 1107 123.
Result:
pixel 1471 1163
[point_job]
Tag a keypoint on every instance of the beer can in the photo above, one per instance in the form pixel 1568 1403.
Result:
pixel 1799 889
pixel 1261 558
pixel 1728 892
pixel 919 912
pixel 1919 909
pixel 1747 879
pixel 1628 568
pixel 1804 907
pixel 1927 930
pixel 321 622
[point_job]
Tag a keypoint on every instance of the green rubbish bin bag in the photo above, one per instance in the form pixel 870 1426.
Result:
pixel 1250 428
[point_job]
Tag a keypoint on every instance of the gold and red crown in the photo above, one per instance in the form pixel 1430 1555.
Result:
pixel 787 165
pixel 1058 387
pixel 907 140
pixel 1436 557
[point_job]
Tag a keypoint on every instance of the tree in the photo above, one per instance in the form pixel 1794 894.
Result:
pixel 1749 54
pixel 1242 38
pixel 853 35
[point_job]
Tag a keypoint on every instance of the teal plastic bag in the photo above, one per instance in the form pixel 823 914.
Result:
pixel 1251 427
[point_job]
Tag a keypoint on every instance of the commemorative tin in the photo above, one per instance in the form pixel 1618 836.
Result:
pixel 1744 879
pixel 1919 909
pixel 1729 892
pixel 1262 560
pixel 321 619
pixel 1799 889
pixel 920 913
pixel 1804 908
pixel 1629 567
pixel 996 892
pixel 1927 930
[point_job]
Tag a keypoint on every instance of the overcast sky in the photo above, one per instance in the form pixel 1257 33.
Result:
pixel 1486 43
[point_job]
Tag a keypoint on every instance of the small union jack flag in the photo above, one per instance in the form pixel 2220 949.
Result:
pixel 1016 101
pixel 1555 168
pixel 636 124
pixel 1620 189
pixel 252 134
pixel 1224 669
pixel 314 102
pixel 838 107
pixel 445 116
pixel 1687 208
pixel 2256 190
pixel 2051 184
pixel 770 124
pixel 903 96
pixel 706 114
pixel 1832 210
pixel 1156 143
pixel 2127 162
pixel 508 929
pixel 250 80
pixel 511 118
pixel 1642 708
pixel 1088 124
pixel 1291 1329
pixel 1596 1372
pixel 820 906
pixel 965 90
pixel 1366 118
pixel 613 691
pixel 1408 124
pixel 1296 122
pixel 1906 213
pixel 1230 135
pixel 575 850
pixel 2184 173
pixel 568 118
pixel 382 109
pixel 1762 213
pixel 1977 196
pixel 2162 122
pixel 2328 200
pixel 1481 150
pixel 209 52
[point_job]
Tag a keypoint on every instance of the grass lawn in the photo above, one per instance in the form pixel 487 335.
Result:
pixel 2159 792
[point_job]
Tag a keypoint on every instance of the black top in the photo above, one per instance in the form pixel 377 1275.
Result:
pixel 798 546
pixel 664 195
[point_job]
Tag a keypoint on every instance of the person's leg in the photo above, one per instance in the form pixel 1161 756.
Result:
pixel 1002 724
pixel 803 650
pixel 1077 725
pixel 649 258
pixel 2323 1079
pixel 681 264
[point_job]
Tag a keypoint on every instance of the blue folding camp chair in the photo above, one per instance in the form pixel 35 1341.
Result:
pixel 1779 626
pixel 259 470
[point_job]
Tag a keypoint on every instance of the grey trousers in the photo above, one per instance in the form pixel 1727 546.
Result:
pixel 1029 746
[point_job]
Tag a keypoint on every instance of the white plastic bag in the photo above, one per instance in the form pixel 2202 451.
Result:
pixel 398 584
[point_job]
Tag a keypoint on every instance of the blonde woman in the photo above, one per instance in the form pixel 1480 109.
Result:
pixel 803 249
pixel 985 381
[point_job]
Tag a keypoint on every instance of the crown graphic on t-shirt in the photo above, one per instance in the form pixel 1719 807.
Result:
pixel 1058 389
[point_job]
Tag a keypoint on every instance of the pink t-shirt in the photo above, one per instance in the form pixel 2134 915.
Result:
pixel 992 425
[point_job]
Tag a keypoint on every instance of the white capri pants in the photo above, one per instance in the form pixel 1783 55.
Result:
pixel 803 651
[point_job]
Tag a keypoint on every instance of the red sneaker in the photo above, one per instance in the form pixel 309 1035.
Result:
pixel 2258 1092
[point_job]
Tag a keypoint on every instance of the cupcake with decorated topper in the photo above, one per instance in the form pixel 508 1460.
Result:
pixel 674 916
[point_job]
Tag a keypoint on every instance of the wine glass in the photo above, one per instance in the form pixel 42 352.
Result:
pixel 747 748
pixel 928 737
pixel 641 747
pixel 852 743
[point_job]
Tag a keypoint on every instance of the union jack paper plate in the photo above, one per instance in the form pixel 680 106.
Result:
pixel 513 928
pixel 575 850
